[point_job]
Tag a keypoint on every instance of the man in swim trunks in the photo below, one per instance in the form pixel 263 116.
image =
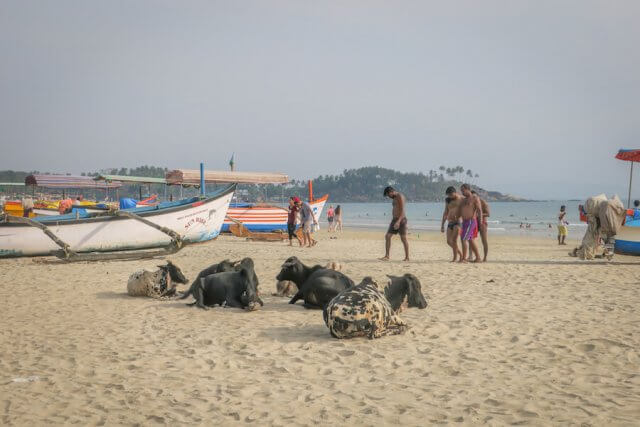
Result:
pixel 452 215
pixel 471 213
pixel 483 226
pixel 398 223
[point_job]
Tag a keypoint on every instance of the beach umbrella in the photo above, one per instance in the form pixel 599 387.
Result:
pixel 629 156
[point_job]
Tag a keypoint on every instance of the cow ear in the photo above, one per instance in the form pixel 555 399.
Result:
pixel 244 273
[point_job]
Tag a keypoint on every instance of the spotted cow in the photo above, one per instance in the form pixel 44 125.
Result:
pixel 367 311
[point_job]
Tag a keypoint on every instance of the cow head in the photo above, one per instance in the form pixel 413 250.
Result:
pixel 292 270
pixel 414 292
pixel 249 297
pixel 174 272
pixel 226 265
pixel 406 286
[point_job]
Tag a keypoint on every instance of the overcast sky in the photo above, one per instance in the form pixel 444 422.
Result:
pixel 536 97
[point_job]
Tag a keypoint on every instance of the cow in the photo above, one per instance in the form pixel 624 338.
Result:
pixel 156 284
pixel 220 267
pixel 286 288
pixel 367 311
pixel 316 285
pixel 238 288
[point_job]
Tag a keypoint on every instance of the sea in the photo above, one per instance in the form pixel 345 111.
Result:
pixel 509 218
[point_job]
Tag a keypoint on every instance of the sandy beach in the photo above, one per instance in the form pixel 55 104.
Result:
pixel 532 337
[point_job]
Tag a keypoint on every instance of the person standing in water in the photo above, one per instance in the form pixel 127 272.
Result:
pixel 452 216
pixel 562 225
pixel 398 222
pixel 471 213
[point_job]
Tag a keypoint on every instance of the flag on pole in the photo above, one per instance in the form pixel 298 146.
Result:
pixel 231 162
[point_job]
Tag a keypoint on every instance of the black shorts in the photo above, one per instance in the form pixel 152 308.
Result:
pixel 291 229
pixel 330 219
pixel 402 229
pixel 453 225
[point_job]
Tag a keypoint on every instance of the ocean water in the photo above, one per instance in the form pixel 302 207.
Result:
pixel 505 218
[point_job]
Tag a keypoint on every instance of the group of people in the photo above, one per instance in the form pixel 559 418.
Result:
pixel 334 218
pixel 466 216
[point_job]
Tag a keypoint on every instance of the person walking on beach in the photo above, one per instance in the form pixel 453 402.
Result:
pixel 562 225
pixel 308 221
pixel 471 213
pixel 452 216
pixel 483 227
pixel 292 216
pixel 330 218
pixel 338 219
pixel 398 222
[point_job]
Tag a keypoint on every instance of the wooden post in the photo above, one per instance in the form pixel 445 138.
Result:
pixel 630 180
pixel 310 191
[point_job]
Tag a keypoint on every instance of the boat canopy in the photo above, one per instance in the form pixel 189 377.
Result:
pixel 68 181
pixel 130 179
pixel 192 177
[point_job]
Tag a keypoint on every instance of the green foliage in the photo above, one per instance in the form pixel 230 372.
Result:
pixel 367 184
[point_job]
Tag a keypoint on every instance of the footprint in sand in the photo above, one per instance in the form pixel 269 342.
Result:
pixel 346 352
pixel 586 347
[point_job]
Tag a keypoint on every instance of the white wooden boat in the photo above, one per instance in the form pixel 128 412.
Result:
pixel 191 220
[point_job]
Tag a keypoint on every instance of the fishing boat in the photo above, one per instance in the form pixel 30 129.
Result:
pixel 168 224
pixel 255 217
pixel 628 238
pixel 258 217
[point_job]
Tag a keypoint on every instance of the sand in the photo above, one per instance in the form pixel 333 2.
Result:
pixel 532 337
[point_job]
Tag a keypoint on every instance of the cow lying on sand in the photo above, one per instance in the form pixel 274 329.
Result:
pixel 316 285
pixel 238 288
pixel 157 284
pixel 287 288
pixel 367 311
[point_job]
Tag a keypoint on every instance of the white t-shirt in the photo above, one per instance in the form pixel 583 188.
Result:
pixel 561 217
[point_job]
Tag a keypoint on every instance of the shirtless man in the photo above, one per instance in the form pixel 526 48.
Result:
pixel 471 213
pixel 398 223
pixel 452 215
pixel 483 226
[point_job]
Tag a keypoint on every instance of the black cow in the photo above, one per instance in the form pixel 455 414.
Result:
pixel 238 288
pixel 316 285
pixel 220 267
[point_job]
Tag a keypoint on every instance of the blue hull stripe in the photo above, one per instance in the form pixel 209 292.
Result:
pixel 627 247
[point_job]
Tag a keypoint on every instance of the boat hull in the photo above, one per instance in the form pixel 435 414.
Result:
pixel 628 239
pixel 258 218
pixel 194 220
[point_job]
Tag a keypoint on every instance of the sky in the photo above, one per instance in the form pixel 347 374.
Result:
pixel 534 96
